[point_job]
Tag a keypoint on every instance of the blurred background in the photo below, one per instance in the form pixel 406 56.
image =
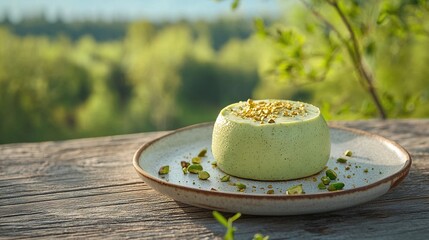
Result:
pixel 74 68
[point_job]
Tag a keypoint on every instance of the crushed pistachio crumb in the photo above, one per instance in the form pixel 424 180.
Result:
pixel 325 180
pixel 202 153
pixel 336 186
pixel 271 191
pixel 331 174
pixel 225 178
pixel 195 168
pixel 295 190
pixel 348 153
pixel 196 160
pixel 164 170
pixel 184 164
pixel 341 160
pixel 267 111
pixel 321 186
pixel 203 175
pixel 240 187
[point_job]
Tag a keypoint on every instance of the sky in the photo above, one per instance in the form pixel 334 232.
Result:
pixel 155 10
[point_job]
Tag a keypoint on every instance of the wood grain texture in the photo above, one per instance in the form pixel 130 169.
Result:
pixel 87 188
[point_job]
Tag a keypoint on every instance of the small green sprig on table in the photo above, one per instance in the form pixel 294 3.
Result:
pixel 230 230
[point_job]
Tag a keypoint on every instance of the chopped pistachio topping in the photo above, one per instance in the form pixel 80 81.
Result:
pixel 225 178
pixel 195 168
pixel 164 170
pixel 203 175
pixel 185 170
pixel 202 153
pixel 295 190
pixel 196 160
pixel 336 186
pixel 268 111
pixel 348 153
pixel 366 170
pixel 331 174
pixel 214 163
pixel 341 160
pixel 271 191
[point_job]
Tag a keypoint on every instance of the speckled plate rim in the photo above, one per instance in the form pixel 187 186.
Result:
pixel 394 179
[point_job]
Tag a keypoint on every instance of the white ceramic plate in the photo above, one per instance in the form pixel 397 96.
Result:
pixel 376 166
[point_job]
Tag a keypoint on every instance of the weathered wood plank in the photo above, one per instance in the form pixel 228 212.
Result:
pixel 87 188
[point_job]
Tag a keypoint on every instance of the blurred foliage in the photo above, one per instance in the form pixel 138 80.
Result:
pixel 156 77
pixel 316 54
pixel 164 76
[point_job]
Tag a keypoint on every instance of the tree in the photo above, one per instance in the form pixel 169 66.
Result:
pixel 345 28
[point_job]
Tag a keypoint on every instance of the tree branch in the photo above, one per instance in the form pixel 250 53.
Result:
pixel 339 35
pixel 365 74
pixel 366 79
pixel 324 20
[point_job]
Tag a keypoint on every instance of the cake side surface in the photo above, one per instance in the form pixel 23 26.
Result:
pixel 283 145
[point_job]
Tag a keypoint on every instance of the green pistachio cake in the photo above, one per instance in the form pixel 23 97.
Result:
pixel 271 140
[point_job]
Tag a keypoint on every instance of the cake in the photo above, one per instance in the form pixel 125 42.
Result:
pixel 271 140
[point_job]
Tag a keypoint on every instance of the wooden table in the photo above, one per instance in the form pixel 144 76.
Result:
pixel 87 188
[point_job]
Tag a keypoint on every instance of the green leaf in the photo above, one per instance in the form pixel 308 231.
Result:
pixel 370 48
pixel 260 26
pixel 235 4
pixel 230 231
pixel 423 4
pixel 382 17
pixel 235 217
pixel 259 236
pixel 285 37
pixel 220 218
pixel 229 235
